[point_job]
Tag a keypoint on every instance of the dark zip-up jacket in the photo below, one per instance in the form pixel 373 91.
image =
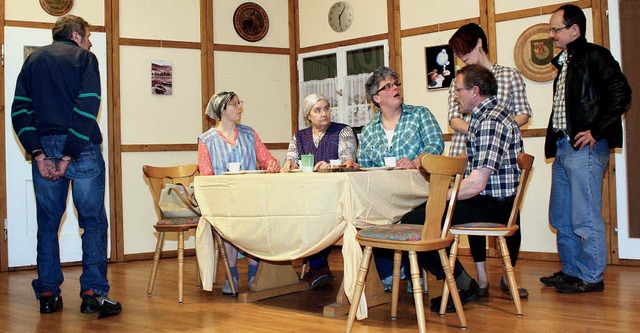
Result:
pixel 597 94
pixel 58 93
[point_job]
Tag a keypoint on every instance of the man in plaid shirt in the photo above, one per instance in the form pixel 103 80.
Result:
pixel 492 177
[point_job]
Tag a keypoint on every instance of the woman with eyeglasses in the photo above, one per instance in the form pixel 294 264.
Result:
pixel 403 131
pixel 399 130
pixel 469 43
pixel 325 139
pixel 228 142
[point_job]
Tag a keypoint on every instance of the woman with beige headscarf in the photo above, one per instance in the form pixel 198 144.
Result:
pixel 228 142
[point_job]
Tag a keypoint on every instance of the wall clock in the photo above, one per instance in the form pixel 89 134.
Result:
pixel 251 22
pixel 340 16
pixel 56 7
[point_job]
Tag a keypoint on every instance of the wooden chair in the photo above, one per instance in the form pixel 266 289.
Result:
pixel 525 162
pixel 433 235
pixel 158 177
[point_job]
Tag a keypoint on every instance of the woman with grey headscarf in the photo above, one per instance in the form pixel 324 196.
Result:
pixel 324 139
pixel 228 142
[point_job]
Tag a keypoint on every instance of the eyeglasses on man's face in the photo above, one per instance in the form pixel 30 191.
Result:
pixel 237 104
pixel 554 31
pixel 457 90
pixel 388 86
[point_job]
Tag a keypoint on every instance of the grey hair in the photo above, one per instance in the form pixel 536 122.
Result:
pixel 476 75
pixel 380 74
pixel 218 103
pixel 307 105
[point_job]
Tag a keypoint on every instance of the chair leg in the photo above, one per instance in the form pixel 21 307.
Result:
pixel 451 283
pixel 180 265
pixel 304 268
pixel 225 261
pixel 357 293
pixel 453 252
pixel 395 285
pixel 417 291
pixel 216 257
pixel 156 261
pixel 511 278
pixel 426 281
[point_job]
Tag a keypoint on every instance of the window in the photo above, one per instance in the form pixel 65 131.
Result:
pixel 340 74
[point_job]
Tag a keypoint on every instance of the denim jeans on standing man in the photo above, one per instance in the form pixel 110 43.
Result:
pixel 86 175
pixel 575 209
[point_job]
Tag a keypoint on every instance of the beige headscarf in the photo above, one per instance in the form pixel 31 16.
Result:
pixel 218 103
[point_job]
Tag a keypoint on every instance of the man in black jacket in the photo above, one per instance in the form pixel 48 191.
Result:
pixel 590 96
pixel 54 114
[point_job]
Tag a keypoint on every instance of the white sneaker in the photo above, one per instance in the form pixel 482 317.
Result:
pixel 226 287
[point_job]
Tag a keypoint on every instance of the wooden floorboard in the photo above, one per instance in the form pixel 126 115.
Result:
pixel 614 310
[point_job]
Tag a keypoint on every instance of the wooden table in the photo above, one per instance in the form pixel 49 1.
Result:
pixel 286 216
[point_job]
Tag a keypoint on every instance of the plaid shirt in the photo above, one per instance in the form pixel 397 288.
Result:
pixel 494 142
pixel 417 132
pixel 512 95
pixel 559 110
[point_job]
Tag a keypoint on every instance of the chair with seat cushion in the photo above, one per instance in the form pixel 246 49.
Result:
pixel 445 173
pixel 525 162
pixel 158 177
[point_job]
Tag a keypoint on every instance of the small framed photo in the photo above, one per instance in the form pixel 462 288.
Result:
pixel 161 77
pixel 440 65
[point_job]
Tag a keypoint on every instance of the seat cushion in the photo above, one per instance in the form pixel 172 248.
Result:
pixel 179 221
pixel 479 225
pixel 398 232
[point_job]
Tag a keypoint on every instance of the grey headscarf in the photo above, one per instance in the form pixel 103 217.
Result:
pixel 218 103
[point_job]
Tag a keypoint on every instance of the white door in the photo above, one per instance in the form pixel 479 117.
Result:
pixel 21 205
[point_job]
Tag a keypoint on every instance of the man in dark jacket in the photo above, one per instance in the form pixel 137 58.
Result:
pixel 54 114
pixel 590 96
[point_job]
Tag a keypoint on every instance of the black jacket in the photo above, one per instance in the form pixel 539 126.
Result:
pixel 596 95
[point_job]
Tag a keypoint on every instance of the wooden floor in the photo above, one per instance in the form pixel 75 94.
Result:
pixel 614 310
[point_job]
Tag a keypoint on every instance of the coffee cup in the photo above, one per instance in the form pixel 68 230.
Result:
pixel 335 163
pixel 390 161
pixel 233 167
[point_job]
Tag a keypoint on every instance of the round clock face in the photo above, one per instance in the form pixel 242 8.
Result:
pixel 340 16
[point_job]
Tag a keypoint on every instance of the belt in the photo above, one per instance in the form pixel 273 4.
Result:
pixel 561 134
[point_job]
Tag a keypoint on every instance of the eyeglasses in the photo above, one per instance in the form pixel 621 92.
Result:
pixel 458 89
pixel 555 30
pixel 237 105
pixel 388 86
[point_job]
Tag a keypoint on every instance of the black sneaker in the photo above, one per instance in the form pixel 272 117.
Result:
pixel 557 278
pixel 580 286
pixel 100 304
pixel 318 277
pixel 471 294
pixel 50 304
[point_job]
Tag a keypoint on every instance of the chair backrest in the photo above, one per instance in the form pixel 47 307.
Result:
pixel 445 172
pixel 158 176
pixel 525 162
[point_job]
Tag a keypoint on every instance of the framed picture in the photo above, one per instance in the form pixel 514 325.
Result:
pixel 440 67
pixel 161 77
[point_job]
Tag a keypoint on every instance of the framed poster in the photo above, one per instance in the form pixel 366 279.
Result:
pixel 440 67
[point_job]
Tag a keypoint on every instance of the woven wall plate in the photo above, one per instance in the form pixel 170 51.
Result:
pixel 251 22
pixel 533 53
pixel 56 7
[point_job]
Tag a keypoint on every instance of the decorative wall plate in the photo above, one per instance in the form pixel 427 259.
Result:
pixel 251 22
pixel 533 53
pixel 56 7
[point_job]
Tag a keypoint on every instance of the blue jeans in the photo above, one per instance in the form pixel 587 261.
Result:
pixel 86 175
pixel 575 209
